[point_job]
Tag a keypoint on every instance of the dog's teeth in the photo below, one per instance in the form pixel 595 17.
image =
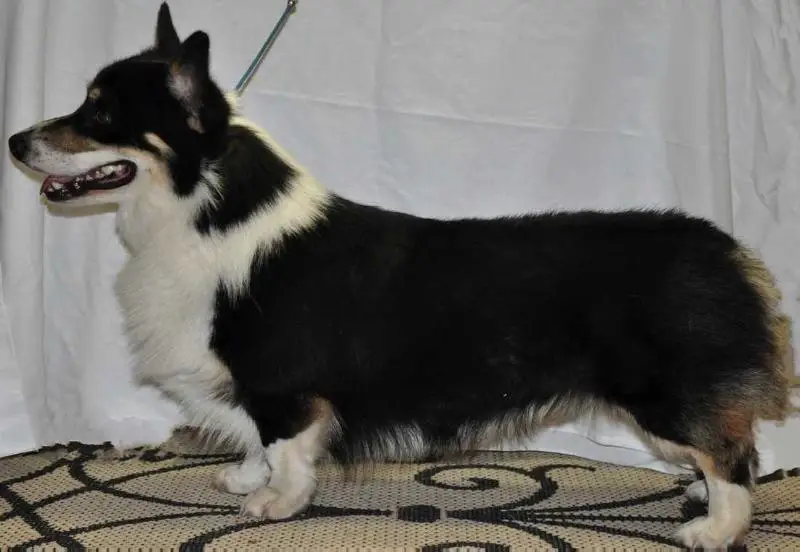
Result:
pixel 108 169
pixel 55 186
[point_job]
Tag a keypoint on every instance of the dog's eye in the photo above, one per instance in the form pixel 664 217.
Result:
pixel 102 117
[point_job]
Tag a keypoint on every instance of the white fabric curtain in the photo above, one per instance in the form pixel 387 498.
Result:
pixel 438 107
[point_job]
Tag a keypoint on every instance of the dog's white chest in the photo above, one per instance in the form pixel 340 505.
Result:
pixel 168 288
pixel 167 294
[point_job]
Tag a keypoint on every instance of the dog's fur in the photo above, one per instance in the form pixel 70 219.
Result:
pixel 292 321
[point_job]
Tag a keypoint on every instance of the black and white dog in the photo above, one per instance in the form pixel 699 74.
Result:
pixel 294 322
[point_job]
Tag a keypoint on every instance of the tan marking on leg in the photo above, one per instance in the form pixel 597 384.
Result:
pixel 705 462
pixel 737 422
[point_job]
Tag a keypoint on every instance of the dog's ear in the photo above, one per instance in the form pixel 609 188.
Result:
pixel 189 75
pixel 167 40
pixel 194 53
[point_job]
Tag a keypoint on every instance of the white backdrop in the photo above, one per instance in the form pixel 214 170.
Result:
pixel 438 107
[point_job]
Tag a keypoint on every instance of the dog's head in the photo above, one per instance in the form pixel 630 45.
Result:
pixel 154 113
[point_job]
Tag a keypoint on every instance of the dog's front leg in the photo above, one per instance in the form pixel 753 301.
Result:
pixel 241 479
pixel 292 462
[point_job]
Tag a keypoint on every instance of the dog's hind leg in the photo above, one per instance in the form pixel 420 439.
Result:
pixel 729 480
pixel 722 446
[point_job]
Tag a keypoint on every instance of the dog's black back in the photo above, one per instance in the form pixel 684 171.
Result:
pixel 440 328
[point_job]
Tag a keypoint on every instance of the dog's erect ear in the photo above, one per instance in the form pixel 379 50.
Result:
pixel 167 40
pixel 189 74
pixel 194 53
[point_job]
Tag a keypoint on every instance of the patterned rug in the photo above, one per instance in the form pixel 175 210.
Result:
pixel 79 496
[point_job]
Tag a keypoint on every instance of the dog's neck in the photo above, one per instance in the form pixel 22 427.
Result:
pixel 152 212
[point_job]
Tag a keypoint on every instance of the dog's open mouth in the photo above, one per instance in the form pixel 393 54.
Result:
pixel 105 177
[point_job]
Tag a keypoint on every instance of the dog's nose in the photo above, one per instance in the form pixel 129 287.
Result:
pixel 19 144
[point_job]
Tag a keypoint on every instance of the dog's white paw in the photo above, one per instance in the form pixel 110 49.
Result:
pixel 706 533
pixel 271 503
pixel 239 479
pixel 697 491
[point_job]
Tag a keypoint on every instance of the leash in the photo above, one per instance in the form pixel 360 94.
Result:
pixel 291 7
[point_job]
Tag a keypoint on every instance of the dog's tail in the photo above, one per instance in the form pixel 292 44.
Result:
pixel 776 403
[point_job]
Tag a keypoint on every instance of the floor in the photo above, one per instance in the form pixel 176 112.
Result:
pixel 83 496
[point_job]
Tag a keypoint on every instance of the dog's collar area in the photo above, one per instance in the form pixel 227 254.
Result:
pixel 104 177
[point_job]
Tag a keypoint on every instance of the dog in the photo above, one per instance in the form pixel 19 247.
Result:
pixel 295 323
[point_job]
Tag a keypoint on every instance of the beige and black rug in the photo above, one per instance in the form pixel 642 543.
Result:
pixel 82 497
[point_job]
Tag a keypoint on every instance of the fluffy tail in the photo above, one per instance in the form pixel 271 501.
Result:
pixel 777 403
